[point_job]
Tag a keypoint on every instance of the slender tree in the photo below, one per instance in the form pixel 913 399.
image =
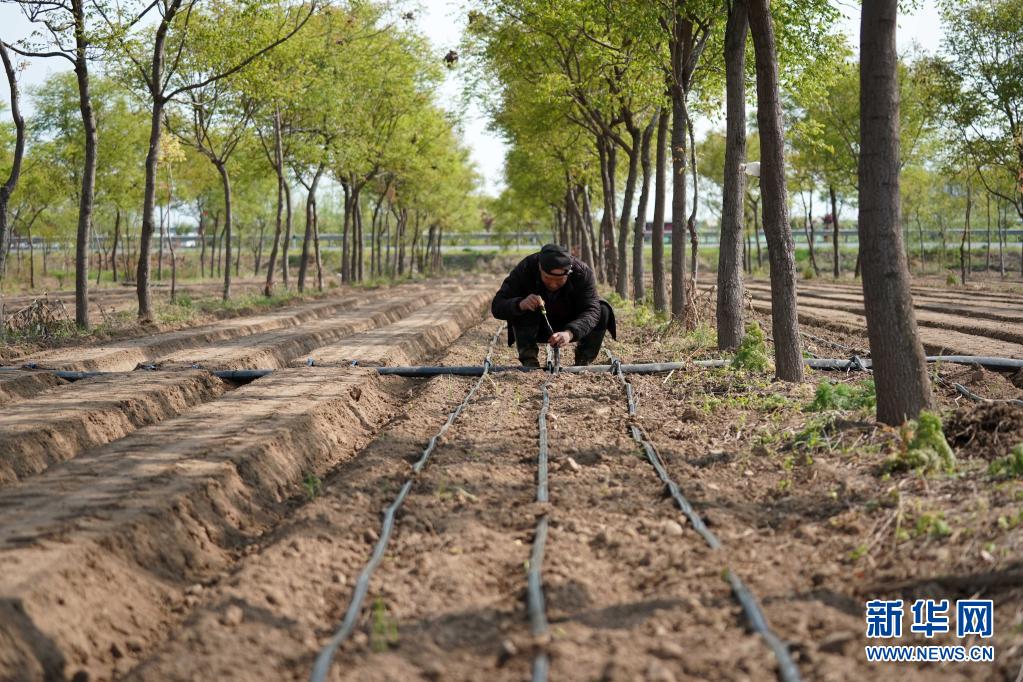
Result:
pixel 898 360
pixel 730 288
pixel 7 189
pixel 70 37
pixel 784 320
pixel 162 82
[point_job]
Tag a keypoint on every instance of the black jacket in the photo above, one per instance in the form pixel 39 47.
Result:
pixel 575 307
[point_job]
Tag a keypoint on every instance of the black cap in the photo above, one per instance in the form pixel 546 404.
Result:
pixel 553 257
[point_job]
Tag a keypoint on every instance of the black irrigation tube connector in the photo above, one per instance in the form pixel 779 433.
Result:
pixel 326 656
pixel 787 670
pixel 534 581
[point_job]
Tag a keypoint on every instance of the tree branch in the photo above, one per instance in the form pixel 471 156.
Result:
pixel 248 60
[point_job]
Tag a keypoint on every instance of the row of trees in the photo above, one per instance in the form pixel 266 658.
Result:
pixel 597 99
pixel 234 114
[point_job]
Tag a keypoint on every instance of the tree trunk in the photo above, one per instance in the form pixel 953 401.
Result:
pixel 356 267
pixel 987 258
pixel 228 224
pixel 88 193
pixel 401 242
pixel 303 264
pixel 159 257
pixel 278 163
pixel 213 245
pixel 376 268
pixel 1002 225
pixel 900 372
pixel 346 269
pixel 31 259
pixel 694 238
pixel 607 228
pixel 836 265
pixel 963 252
pixel 259 248
pixel 755 208
pixel 113 249
pixel 923 250
pixel 639 231
pixel 810 236
pixel 316 248
pixel 944 243
pixel 730 299
pixel 149 199
pixel 173 257
pixel 598 252
pixel 784 322
pixel 585 235
pixel 679 217
pixel 634 151
pixel 201 230
pixel 660 195
pixel 288 224
pixel 7 189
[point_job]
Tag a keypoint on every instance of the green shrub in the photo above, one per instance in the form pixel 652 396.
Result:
pixel 1010 466
pixel 927 452
pixel 831 396
pixel 752 353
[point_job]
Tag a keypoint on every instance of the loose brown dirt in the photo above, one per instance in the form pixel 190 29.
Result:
pixel 58 425
pixel 222 540
pixel 950 323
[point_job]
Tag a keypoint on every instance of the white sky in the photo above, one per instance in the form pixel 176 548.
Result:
pixel 442 21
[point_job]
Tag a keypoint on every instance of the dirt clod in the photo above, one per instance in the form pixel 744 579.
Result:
pixel 232 616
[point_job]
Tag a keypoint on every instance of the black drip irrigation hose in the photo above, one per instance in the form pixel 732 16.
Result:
pixel 534 580
pixel 326 656
pixel 855 363
pixel 787 670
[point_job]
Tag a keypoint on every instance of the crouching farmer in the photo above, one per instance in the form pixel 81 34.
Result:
pixel 565 287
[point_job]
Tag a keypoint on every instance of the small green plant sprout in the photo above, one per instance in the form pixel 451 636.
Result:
pixel 814 434
pixel 927 452
pixel 858 553
pixel 312 485
pixel 1010 466
pixel 384 631
pixel 752 353
pixel 931 524
pixel 839 396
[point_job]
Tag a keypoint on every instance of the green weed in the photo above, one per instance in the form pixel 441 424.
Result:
pixel 926 452
pixel 384 630
pixel 931 524
pixel 1010 466
pixel 838 396
pixel 752 353
pixel 312 485
pixel 1010 522
pixel 814 434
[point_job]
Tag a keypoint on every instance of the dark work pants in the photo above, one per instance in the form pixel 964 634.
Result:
pixel 530 330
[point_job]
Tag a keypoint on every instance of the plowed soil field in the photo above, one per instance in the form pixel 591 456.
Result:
pixel 950 322
pixel 159 523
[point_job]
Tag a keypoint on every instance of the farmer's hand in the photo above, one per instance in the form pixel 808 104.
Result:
pixel 559 339
pixel 531 302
